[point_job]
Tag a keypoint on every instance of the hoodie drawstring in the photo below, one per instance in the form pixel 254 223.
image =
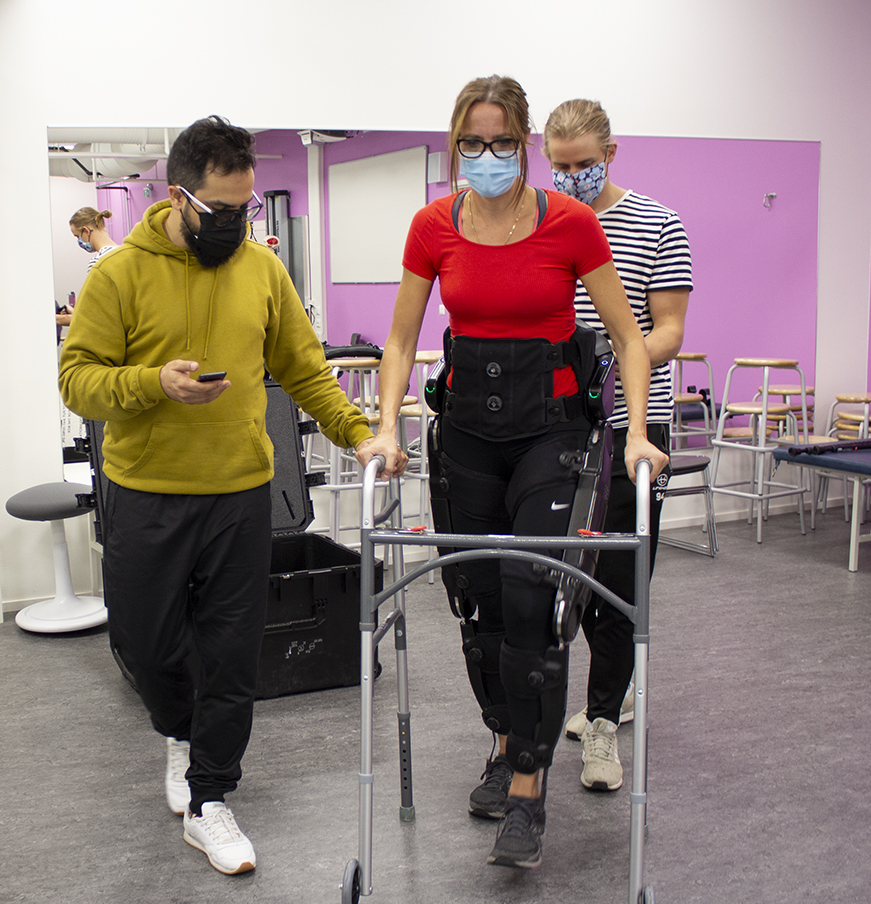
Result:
pixel 211 309
pixel 187 299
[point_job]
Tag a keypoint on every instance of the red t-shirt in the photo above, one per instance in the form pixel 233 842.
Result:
pixel 523 290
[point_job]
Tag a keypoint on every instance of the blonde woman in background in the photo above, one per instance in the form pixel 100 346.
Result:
pixel 652 256
pixel 88 225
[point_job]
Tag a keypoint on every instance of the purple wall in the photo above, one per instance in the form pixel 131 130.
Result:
pixel 290 172
pixel 755 269
pixel 138 203
pixel 368 308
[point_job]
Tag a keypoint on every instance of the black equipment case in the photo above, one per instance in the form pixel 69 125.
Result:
pixel 312 637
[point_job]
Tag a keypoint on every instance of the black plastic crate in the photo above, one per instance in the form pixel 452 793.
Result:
pixel 312 638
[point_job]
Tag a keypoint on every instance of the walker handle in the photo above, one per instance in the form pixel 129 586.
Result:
pixel 642 497
pixel 373 466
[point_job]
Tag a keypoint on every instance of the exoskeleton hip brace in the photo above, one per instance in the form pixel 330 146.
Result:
pixel 503 388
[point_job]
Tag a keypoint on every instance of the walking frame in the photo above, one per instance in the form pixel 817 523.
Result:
pixel 357 879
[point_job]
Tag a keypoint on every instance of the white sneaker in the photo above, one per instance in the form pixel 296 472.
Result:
pixel 575 725
pixel 217 835
pixel 178 758
pixel 602 770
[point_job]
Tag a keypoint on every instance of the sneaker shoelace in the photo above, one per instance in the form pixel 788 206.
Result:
pixel 601 745
pixel 497 773
pixel 520 816
pixel 221 826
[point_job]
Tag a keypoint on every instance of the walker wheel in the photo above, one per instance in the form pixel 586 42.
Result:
pixel 351 883
pixel 646 896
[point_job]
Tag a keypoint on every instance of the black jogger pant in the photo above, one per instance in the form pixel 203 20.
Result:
pixel 609 632
pixel 190 573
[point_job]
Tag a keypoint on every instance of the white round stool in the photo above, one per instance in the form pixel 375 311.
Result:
pixel 56 502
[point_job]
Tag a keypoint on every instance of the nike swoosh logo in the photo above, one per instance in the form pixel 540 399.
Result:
pixel 556 506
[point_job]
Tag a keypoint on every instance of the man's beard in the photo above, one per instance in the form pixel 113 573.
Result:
pixel 208 259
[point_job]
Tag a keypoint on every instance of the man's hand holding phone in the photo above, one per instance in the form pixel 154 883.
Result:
pixel 178 380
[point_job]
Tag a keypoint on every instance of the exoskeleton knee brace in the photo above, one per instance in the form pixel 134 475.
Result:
pixel 540 678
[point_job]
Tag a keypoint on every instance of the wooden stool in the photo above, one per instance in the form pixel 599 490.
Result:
pixel 843 423
pixel 854 424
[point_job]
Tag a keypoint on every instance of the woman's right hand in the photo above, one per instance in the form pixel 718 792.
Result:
pixel 386 446
pixel 638 448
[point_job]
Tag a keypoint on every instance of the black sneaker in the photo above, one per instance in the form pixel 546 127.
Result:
pixel 487 801
pixel 520 833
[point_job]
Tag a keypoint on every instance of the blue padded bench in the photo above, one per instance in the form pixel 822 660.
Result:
pixel 851 459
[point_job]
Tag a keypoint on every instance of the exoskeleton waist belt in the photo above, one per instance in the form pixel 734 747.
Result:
pixel 503 388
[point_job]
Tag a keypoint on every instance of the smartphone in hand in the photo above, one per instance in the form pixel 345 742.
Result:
pixel 211 377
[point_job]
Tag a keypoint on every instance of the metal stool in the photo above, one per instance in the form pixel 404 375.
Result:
pixel 760 488
pixel 55 502
pixel 682 465
pixel 694 400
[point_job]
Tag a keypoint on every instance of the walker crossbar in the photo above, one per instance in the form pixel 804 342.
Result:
pixel 505 551
pixel 358 873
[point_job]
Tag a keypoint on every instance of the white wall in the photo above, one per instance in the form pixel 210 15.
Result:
pixel 785 69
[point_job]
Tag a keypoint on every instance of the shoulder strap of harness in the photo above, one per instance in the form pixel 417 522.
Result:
pixel 540 197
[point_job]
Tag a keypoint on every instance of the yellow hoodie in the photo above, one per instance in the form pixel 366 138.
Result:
pixel 150 302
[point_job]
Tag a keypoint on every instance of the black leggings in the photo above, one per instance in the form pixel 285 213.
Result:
pixel 511 487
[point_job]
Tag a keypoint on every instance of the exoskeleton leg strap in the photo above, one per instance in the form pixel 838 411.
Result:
pixel 534 679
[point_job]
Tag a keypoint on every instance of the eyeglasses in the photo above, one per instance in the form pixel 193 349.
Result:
pixel 223 217
pixel 501 147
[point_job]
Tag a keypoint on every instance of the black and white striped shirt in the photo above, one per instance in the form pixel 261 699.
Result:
pixel 651 252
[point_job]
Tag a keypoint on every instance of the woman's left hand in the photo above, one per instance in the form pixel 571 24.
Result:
pixel 638 448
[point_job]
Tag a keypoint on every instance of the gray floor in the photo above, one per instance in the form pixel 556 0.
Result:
pixel 759 782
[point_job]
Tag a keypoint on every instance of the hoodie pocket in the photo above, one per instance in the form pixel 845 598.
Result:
pixel 215 454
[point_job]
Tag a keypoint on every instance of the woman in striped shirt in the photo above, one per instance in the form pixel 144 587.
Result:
pixel 652 257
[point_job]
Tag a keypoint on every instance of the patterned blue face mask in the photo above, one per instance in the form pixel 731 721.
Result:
pixel 85 246
pixel 585 186
pixel 490 176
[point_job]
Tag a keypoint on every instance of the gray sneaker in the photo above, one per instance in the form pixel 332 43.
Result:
pixel 602 770
pixel 520 834
pixel 487 801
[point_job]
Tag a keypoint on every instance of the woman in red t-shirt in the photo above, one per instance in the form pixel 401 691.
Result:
pixel 507 259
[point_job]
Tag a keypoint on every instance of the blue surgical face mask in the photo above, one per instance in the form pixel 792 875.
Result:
pixel 585 186
pixel 490 176
pixel 86 246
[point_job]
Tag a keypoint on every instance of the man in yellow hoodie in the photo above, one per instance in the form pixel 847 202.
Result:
pixel 187 550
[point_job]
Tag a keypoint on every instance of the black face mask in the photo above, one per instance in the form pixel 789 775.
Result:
pixel 214 244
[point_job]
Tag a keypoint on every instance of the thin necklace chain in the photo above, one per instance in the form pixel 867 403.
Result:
pixel 472 219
